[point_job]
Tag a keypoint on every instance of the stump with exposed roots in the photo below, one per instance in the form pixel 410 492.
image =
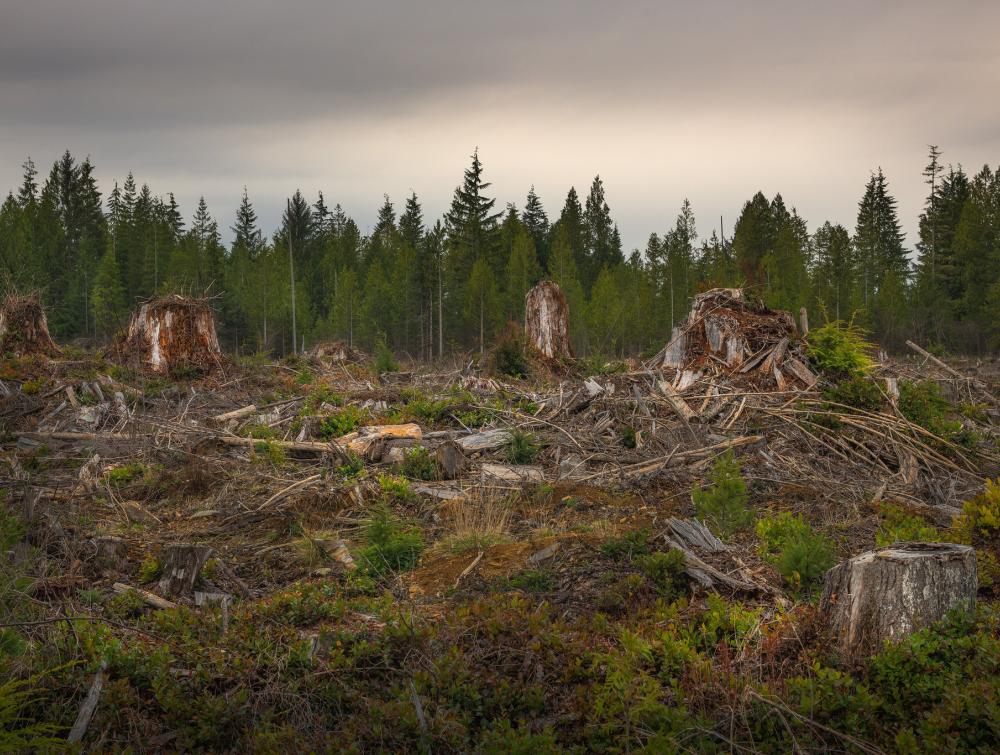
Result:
pixel 546 321
pixel 889 593
pixel 24 330
pixel 173 334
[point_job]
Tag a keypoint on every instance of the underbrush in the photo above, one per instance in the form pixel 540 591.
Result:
pixel 840 349
pixel 799 554
pixel 723 505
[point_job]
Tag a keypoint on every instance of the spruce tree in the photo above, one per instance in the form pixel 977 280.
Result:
pixel 753 239
pixel 878 240
pixel 108 297
pixel 523 272
pixel 603 245
pixel 537 223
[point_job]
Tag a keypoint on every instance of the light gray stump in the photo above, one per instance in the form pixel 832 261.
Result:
pixel 889 593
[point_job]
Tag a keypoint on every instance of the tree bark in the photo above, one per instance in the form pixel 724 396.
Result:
pixel 182 563
pixel 889 593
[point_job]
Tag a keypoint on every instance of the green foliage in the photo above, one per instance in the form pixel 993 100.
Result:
pixel 353 466
pixel 125 473
pixel 429 411
pixel 260 432
pixel 899 525
pixel 418 464
pixel 923 404
pixel 396 487
pixel 341 422
pixel 800 555
pixel 628 546
pixel 840 349
pixel 628 436
pixel 723 505
pixel 665 571
pixel 271 453
pixel 979 525
pixel 385 360
pixel 859 392
pixel 150 570
pixel 521 448
pixel 509 355
pixel 390 546
pixel 19 733
pixel 531 580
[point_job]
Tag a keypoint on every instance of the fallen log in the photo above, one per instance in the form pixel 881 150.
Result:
pixel 151 598
pixel 484 441
pixel 889 593
pixel 676 403
pixel 240 413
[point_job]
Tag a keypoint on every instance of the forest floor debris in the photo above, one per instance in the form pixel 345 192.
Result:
pixel 358 526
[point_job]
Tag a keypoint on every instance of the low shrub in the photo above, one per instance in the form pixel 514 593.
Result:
pixel 899 525
pixel 341 422
pixel 418 464
pixel 627 546
pixel 509 355
pixel 800 555
pixel 666 572
pixel 723 505
pixel 840 349
pixel 858 392
pixel 521 448
pixel 385 360
pixel 390 545
pixel 979 525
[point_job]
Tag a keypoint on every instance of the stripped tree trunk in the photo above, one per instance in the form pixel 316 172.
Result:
pixel 182 563
pixel 546 320
pixel 891 592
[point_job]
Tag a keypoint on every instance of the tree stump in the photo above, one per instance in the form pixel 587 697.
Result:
pixel 182 563
pixel 546 320
pixel 450 460
pixel 23 327
pixel 889 593
pixel 173 334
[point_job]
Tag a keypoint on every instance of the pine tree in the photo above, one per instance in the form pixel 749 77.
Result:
pixel 523 272
pixel 109 294
pixel 537 223
pixel 878 240
pixel 603 246
pixel 753 239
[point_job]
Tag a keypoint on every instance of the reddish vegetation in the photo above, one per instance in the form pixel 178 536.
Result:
pixel 546 320
pixel 173 333
pixel 23 327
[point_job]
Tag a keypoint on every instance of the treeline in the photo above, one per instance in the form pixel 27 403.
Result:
pixel 431 287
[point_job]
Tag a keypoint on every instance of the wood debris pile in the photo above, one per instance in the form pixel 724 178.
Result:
pixel 730 332
pixel 24 329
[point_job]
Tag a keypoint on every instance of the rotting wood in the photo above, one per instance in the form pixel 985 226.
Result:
pixel 450 460
pixel 484 441
pixel 24 329
pixel 90 702
pixel 891 592
pixel 240 413
pixel 676 403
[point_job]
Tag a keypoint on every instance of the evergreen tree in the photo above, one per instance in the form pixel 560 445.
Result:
pixel 753 239
pixel 878 240
pixel 537 223
pixel 835 272
pixel 603 245
pixel 523 272
pixel 109 294
pixel 482 301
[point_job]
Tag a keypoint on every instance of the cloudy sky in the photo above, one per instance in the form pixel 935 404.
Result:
pixel 710 100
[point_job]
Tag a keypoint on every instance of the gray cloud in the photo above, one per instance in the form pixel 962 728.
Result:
pixel 666 100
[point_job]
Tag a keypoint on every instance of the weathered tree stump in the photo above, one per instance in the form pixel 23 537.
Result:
pixel 173 334
pixel 889 593
pixel 23 327
pixel 182 563
pixel 450 460
pixel 546 320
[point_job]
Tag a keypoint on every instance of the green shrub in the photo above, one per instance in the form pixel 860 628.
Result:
pixel 628 546
pixel 19 733
pixel 385 360
pixel 628 436
pixel 427 410
pixel 923 404
pixel 396 487
pixel 723 505
pixel 418 464
pixel 979 525
pixel 899 525
pixel 353 466
pixel 509 355
pixel 530 580
pixel 665 571
pixel 390 546
pixel 521 448
pixel 800 555
pixel 859 392
pixel 260 432
pixel 341 422
pixel 840 349
pixel 150 569
pixel 126 473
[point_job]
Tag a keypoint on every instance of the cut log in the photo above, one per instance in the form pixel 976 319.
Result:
pixel 515 475
pixel 171 334
pixel 450 460
pixel 182 563
pixel 889 593
pixel 245 411
pixel 546 321
pixel 800 371
pixel 23 327
pixel 695 534
pixel 362 440
pixel 678 404
pixel 484 441
pixel 151 598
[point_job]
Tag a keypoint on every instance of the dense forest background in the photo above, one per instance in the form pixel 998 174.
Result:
pixel 429 287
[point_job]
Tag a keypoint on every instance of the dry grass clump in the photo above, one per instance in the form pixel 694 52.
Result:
pixel 479 522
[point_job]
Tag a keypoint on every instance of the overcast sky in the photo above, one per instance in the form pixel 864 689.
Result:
pixel 710 100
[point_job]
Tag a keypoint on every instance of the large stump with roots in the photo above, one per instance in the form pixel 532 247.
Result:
pixel 23 327
pixel 889 593
pixel 173 334
pixel 546 320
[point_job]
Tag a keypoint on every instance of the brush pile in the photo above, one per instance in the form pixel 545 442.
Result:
pixel 730 332
pixel 336 352
pixel 23 328
pixel 173 334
